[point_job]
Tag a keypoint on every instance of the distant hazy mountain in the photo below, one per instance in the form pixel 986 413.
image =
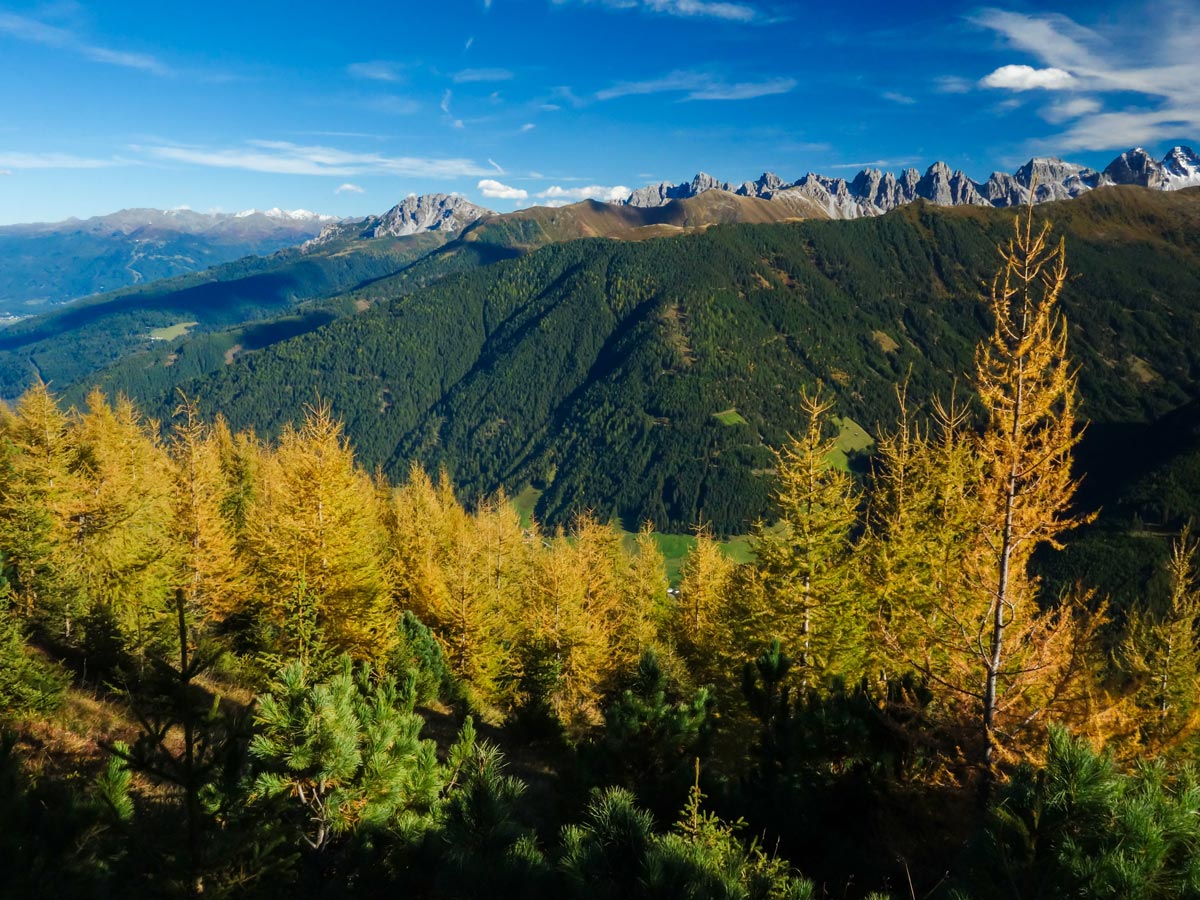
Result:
pixel 873 192
pixel 47 263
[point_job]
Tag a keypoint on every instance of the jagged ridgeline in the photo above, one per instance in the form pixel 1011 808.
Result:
pixel 647 380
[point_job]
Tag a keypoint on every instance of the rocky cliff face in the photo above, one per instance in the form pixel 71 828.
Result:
pixel 872 192
pixel 412 215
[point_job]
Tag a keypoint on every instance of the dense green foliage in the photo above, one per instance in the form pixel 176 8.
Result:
pixel 594 369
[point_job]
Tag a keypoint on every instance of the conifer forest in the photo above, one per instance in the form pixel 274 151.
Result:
pixel 237 665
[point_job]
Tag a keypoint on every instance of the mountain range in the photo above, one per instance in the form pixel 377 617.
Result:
pixel 43 264
pixel 873 192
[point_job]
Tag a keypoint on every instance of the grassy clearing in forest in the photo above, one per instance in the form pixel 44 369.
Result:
pixel 170 332
pixel 851 438
pixel 730 417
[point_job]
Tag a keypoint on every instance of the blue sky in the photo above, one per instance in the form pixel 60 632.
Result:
pixel 347 107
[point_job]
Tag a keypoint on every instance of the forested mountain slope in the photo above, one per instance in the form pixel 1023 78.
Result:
pixel 74 341
pixel 171 322
pixel 648 379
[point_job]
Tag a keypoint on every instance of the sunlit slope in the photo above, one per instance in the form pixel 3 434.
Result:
pixel 597 369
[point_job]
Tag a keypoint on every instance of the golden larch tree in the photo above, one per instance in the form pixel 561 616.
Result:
pixel 314 529
pixel 208 568
pixel 1014 655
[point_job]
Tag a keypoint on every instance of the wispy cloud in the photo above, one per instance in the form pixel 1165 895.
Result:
pixel 1155 58
pixel 1027 78
pixel 377 70
pixel 33 31
pixel 690 9
pixel 55 161
pixel 591 192
pixel 4 172
pixel 528 126
pixel 873 164
pixel 698 86
pixel 952 84
pixel 491 188
pixel 349 188
pixel 468 76
pixel 1071 109
pixel 285 158
pixel 897 97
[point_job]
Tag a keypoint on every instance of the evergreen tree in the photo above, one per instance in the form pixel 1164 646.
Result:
pixel 345 753
pixel 652 734
pixel 188 743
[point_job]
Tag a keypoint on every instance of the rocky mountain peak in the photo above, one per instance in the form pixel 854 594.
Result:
pixel 1135 166
pixel 412 215
pixel 428 212
pixel 1181 167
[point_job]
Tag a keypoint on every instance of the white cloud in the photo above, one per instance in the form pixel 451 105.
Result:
pixel 445 104
pixel 495 165
pixel 1027 78
pixel 349 188
pixel 32 31
pixel 378 70
pixel 469 76
pixel 54 161
pixel 897 97
pixel 1152 56
pixel 698 86
pixel 494 189
pixel 591 192
pixel 467 45
pixel 4 172
pixel 284 158
pixel 528 126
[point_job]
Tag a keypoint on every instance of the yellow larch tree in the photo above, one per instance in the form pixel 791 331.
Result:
pixel 802 589
pixel 208 568
pixel 1011 661
pixel 700 627
pixel 644 596
pixel 1160 652
pixel 120 516
pixel 921 519
pixel 314 529
pixel 36 491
